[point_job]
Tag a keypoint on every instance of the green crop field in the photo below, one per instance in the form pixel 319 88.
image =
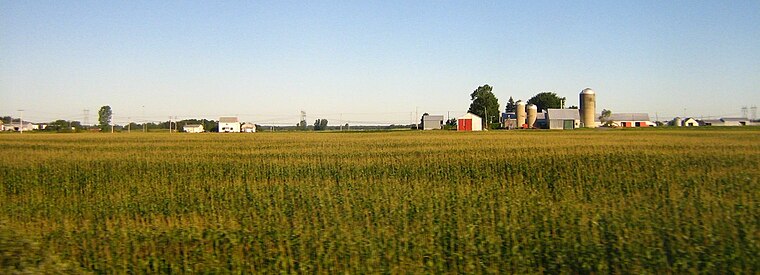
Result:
pixel 584 201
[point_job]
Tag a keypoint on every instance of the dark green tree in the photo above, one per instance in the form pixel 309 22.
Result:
pixel 546 100
pixel 104 117
pixel 511 107
pixel 320 124
pixel 605 118
pixel 485 104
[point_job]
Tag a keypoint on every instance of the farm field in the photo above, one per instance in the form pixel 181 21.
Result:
pixel 623 201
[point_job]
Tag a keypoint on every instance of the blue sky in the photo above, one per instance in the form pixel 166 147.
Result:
pixel 371 61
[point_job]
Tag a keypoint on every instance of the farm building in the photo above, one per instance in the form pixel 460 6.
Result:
pixel 627 120
pixel 469 122
pixel 735 121
pixel 689 122
pixel 248 127
pixel 432 122
pixel 563 118
pixel 509 120
pixel 229 125
pixel 193 128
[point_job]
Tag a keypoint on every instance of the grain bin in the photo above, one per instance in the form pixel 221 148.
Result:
pixel 588 108
pixel 532 110
pixel 677 122
pixel 520 112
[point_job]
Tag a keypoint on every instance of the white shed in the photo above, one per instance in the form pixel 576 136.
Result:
pixel 469 122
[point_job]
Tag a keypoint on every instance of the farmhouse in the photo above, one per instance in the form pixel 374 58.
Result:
pixel 627 120
pixel 193 128
pixel 563 118
pixel 469 122
pixel 229 124
pixel 248 127
pixel 432 122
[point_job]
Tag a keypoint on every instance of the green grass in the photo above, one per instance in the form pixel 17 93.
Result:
pixel 643 201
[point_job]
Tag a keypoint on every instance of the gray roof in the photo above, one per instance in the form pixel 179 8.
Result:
pixel 193 125
pixel 432 117
pixel 734 119
pixel 629 117
pixel 712 121
pixel 228 119
pixel 563 114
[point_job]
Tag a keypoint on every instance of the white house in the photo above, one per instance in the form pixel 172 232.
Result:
pixel 469 122
pixel 229 124
pixel 248 127
pixel 193 128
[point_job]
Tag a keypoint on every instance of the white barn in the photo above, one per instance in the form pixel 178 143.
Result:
pixel 229 124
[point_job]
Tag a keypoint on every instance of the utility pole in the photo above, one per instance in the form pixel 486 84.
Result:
pixel 416 115
pixel 129 126
pixel 21 122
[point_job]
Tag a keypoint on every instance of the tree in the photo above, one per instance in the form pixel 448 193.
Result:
pixel 485 104
pixel 511 107
pixel 546 100
pixel 320 124
pixel 301 125
pixel 104 117
pixel 605 118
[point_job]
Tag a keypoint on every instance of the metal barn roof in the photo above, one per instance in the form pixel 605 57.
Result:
pixel 228 119
pixel 563 114
pixel 629 117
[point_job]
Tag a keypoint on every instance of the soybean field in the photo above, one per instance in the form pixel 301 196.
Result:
pixel 583 201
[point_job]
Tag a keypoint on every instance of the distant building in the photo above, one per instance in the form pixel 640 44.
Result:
pixel 711 122
pixel 248 128
pixel 627 120
pixel 509 120
pixel 193 128
pixel 432 122
pixel 689 122
pixel 735 121
pixel 469 122
pixel 229 125
pixel 563 118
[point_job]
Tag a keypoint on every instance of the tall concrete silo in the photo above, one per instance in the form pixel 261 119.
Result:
pixel 521 115
pixel 588 108
pixel 532 110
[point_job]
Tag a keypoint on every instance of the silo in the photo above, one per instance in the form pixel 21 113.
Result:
pixel 532 110
pixel 520 112
pixel 677 122
pixel 588 108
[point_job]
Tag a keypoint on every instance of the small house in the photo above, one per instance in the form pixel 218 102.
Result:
pixel 229 124
pixel 248 127
pixel 563 118
pixel 469 122
pixel 193 128
pixel 432 122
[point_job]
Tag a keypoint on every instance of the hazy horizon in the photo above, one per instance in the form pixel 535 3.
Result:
pixel 371 62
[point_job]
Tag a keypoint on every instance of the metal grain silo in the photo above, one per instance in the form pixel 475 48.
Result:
pixel 532 110
pixel 521 115
pixel 588 108
pixel 678 122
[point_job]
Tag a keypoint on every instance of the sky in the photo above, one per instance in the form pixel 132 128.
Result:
pixel 371 62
